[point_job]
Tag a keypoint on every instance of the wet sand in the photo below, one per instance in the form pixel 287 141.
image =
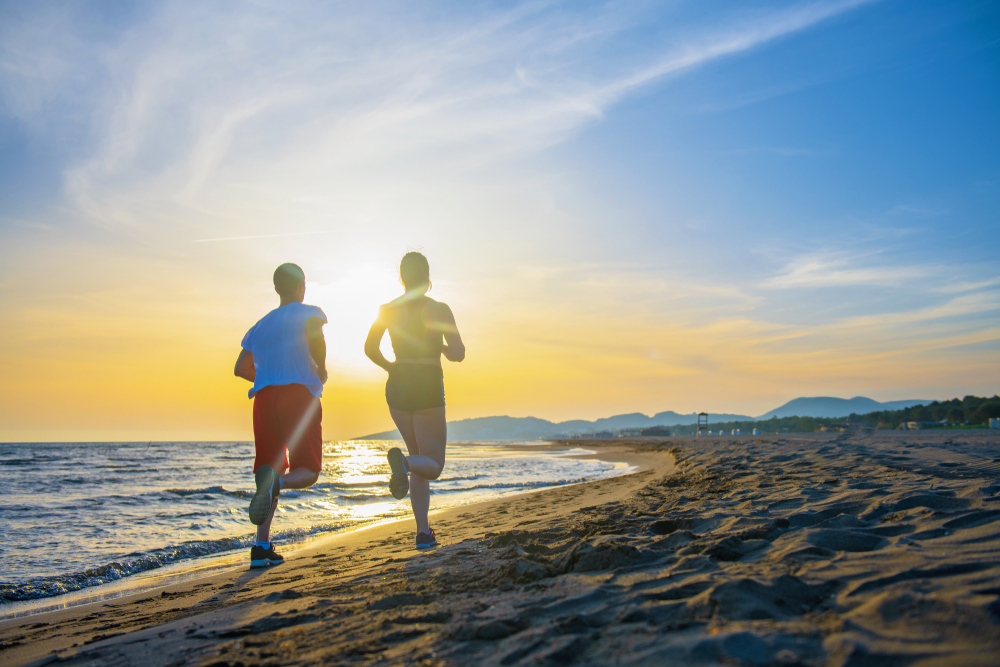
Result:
pixel 828 549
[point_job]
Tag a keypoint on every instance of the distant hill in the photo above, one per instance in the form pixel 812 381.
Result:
pixel 826 406
pixel 531 428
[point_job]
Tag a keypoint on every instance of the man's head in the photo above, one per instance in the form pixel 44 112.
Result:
pixel 290 282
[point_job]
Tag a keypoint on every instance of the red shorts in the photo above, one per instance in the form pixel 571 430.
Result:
pixel 287 428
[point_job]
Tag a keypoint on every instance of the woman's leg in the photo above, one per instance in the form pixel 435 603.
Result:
pixel 425 434
pixel 431 432
pixel 420 491
pixel 404 423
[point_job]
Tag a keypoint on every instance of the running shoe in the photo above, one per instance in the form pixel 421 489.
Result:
pixel 261 557
pixel 426 540
pixel 399 483
pixel 268 485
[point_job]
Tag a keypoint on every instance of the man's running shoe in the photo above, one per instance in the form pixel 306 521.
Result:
pixel 261 557
pixel 426 540
pixel 267 490
pixel 399 483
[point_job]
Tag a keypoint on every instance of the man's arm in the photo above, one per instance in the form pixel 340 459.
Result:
pixel 317 345
pixel 244 366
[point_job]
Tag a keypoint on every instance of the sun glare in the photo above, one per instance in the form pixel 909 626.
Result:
pixel 351 303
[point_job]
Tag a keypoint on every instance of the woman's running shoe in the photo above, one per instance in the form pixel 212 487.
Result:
pixel 399 483
pixel 268 486
pixel 261 557
pixel 426 540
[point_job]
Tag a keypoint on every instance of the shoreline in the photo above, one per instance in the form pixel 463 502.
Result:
pixel 237 574
pixel 841 549
pixel 201 566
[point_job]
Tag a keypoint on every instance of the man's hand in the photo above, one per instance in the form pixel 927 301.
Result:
pixel 244 366
pixel 322 375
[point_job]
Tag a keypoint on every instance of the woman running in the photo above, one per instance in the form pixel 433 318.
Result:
pixel 419 328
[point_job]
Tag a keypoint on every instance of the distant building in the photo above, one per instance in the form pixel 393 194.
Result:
pixel 703 423
pixel 994 423
pixel 655 431
pixel 917 426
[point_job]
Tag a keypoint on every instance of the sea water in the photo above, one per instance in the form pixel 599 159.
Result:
pixel 77 515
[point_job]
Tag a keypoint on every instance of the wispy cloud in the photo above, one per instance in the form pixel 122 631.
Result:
pixel 955 288
pixel 259 236
pixel 733 40
pixel 970 304
pixel 840 270
pixel 297 98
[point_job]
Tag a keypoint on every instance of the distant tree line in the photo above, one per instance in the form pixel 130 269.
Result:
pixel 969 412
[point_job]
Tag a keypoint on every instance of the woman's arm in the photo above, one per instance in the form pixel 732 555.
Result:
pixel 455 348
pixel 374 341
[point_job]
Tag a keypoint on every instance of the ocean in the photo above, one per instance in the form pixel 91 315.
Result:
pixel 80 515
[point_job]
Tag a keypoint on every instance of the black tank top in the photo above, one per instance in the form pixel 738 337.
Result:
pixel 413 340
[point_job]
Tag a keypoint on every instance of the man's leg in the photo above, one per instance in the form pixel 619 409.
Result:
pixel 302 419
pixel 262 553
pixel 299 478
pixel 264 529
pixel 269 459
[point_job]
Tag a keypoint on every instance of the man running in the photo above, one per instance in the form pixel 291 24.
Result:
pixel 284 355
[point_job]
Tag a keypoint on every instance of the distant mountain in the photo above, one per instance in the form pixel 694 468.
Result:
pixel 826 406
pixel 531 428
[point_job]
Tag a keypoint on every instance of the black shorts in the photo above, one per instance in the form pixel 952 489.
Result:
pixel 412 387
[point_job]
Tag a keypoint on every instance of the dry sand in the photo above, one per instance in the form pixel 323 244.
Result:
pixel 851 549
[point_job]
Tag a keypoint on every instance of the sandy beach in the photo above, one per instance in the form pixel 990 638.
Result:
pixel 856 548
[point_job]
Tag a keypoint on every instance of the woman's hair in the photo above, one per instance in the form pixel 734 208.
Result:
pixel 414 271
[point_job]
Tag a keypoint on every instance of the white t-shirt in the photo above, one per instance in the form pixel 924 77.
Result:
pixel 280 348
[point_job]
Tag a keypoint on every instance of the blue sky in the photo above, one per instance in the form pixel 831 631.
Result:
pixel 722 203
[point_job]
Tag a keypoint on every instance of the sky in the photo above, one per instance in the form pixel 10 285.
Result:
pixel 629 206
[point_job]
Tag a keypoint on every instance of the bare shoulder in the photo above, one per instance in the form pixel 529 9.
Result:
pixel 438 311
pixel 390 313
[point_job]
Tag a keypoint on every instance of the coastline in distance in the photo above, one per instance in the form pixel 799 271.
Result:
pixel 528 428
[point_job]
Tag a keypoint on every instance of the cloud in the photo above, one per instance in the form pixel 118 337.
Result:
pixel 259 236
pixel 955 288
pixel 195 105
pixel 839 270
pixel 735 39
pixel 958 307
